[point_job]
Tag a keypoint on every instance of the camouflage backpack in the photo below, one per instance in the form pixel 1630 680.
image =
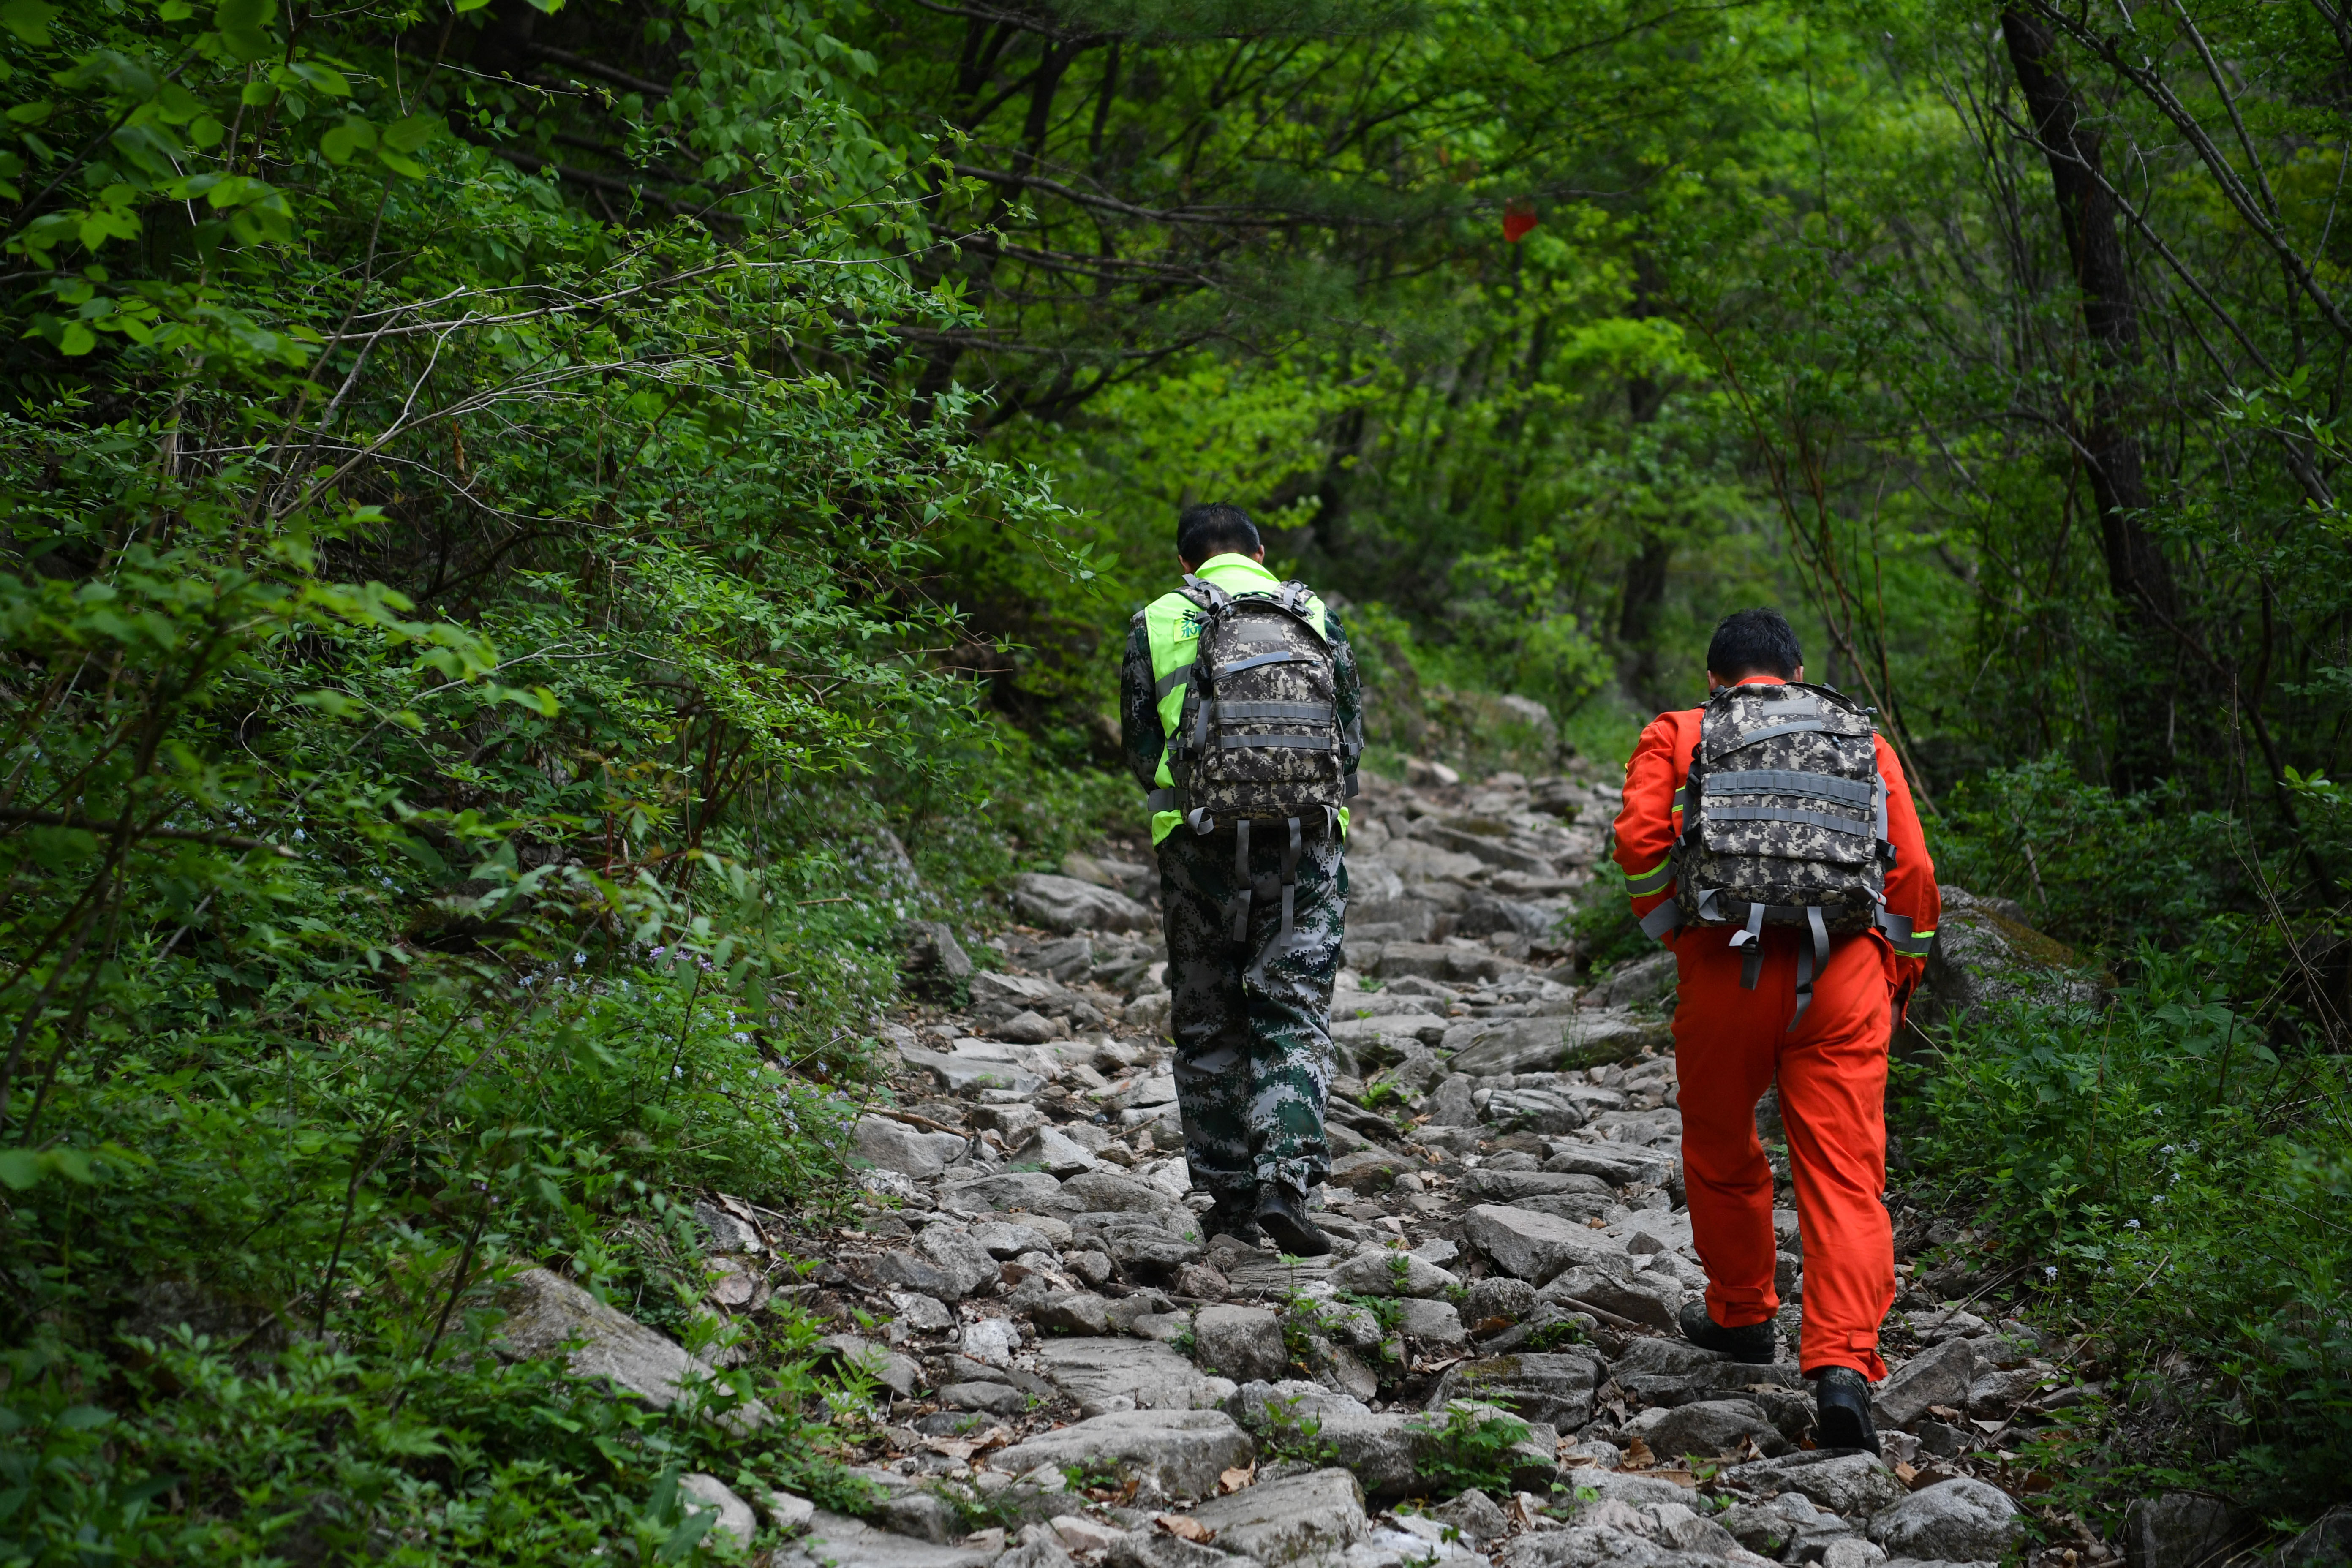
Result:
pixel 1259 740
pixel 1784 823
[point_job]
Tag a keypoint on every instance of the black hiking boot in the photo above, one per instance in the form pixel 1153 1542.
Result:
pixel 1233 1215
pixel 1751 1345
pixel 1282 1215
pixel 1842 1397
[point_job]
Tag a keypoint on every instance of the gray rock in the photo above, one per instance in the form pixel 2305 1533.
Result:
pixel 1101 1192
pixel 1630 1488
pixel 1852 1552
pixel 1380 1271
pixel 2327 1542
pixel 1617 1165
pixel 1091 1265
pixel 1939 1375
pixel 1073 1312
pixel 1499 1296
pixel 729 1232
pixel 834 1538
pixel 1984 953
pixel 996 1398
pixel 1791 1527
pixel 1066 904
pixel 1587 1039
pixel 1009 1190
pixel 895 1146
pixel 1006 1239
pixel 1556 1389
pixel 1053 1150
pixel 1105 1376
pixel 1009 1123
pixel 1026 1029
pixel 1381 1450
pixel 1646 979
pixel 1304 1519
pixel 1434 1323
pixel 1644 1295
pixel 1451 1106
pixel 1841 1483
pixel 2179 1529
pixel 901 1374
pixel 1536 1246
pixel 1963 1521
pixel 1016 993
pixel 1181 1452
pixel 935 948
pixel 1477 1516
pixel 546 1313
pixel 1705 1428
pixel 1046 1551
pixel 707 1494
pixel 1157 1549
pixel 960 1264
pixel 1244 1344
pixel 921 1513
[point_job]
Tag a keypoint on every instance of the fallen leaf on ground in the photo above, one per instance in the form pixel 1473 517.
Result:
pixel 1235 1480
pixel 1906 1472
pixel 1185 1527
pixel 1638 1455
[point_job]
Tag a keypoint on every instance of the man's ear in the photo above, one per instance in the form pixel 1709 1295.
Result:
pixel 1258 555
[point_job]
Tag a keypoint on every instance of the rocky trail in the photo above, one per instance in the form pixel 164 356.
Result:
pixel 1065 1369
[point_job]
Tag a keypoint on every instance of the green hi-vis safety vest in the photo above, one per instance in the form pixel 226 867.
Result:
pixel 1171 624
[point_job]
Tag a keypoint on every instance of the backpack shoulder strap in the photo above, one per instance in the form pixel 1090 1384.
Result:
pixel 1205 593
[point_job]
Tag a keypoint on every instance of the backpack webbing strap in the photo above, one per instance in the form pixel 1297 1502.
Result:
pixel 1811 959
pixel 1170 683
pixel 1784 781
pixel 1288 656
pixel 1751 937
pixel 1750 737
pixel 1279 743
pixel 1273 712
pixel 1216 598
pixel 1160 800
pixel 1901 937
pixel 1289 880
pixel 1668 917
pixel 1791 814
pixel 1241 880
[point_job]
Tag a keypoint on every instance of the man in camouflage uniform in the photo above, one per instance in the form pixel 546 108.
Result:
pixel 1252 1018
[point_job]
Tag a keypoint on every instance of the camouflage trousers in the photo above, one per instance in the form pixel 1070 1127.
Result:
pixel 1252 1018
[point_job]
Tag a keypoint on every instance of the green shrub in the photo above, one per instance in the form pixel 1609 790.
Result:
pixel 1468 1445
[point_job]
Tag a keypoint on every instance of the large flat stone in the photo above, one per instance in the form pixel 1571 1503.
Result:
pixel 1485 1048
pixel 1848 1484
pixel 545 1310
pixel 1379 1449
pixel 1618 1165
pixel 1066 904
pixel 1307 1518
pixel 1105 1376
pixel 1181 1452
pixel 894 1146
pixel 1705 1428
pixel 1959 1521
pixel 1010 1190
pixel 1556 1389
pixel 1244 1344
pixel 1940 1375
pixel 1536 1247
pixel 843 1542
pixel 1644 1295
pixel 1515 1186
pixel 962 1072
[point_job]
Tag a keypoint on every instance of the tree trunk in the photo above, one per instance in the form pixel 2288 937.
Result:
pixel 1644 592
pixel 2138 573
pixel 2140 579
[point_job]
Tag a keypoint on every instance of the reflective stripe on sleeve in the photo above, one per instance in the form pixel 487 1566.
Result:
pixel 1652 880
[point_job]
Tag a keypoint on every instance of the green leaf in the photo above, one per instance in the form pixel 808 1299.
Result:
pixel 28 19
pixel 346 139
pixel 21 1168
pixel 76 340
pixel 245 27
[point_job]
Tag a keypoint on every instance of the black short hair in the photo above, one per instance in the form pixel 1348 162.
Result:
pixel 1215 528
pixel 1755 642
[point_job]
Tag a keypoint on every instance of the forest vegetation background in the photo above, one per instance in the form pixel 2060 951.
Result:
pixel 538 536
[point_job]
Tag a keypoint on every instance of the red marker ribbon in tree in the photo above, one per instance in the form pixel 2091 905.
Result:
pixel 1518 217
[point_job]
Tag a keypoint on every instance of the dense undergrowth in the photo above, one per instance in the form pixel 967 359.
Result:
pixel 2166 1176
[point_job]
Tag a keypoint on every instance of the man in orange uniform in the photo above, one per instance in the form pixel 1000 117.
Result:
pixel 1730 1042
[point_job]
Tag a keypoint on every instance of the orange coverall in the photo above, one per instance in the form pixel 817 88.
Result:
pixel 1730 1044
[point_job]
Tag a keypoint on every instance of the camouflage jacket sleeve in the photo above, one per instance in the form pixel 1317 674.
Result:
pixel 1139 717
pixel 1351 696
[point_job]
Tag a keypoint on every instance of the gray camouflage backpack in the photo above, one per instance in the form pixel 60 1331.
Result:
pixel 1259 740
pixel 1784 823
